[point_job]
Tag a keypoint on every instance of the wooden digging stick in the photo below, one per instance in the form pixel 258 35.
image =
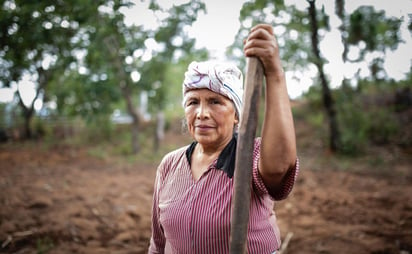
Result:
pixel 244 156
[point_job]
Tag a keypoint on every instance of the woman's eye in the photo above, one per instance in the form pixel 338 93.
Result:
pixel 215 102
pixel 190 103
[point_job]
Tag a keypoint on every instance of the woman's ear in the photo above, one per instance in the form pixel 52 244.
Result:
pixel 236 124
pixel 236 119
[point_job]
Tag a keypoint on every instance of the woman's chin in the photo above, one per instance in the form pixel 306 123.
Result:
pixel 203 139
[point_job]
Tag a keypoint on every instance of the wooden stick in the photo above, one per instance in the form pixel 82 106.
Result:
pixel 244 156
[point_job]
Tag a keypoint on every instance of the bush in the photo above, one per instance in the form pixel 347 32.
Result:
pixel 354 128
pixel 383 125
pixel 100 128
pixel 364 122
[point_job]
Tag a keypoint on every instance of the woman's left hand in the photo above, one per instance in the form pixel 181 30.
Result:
pixel 262 43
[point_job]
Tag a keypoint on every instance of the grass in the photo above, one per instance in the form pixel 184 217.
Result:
pixel 44 245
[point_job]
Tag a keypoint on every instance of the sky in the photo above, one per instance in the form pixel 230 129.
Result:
pixel 215 30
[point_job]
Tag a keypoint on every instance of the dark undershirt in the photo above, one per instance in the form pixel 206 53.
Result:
pixel 226 159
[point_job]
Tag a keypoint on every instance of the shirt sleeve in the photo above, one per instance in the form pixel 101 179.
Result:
pixel 157 240
pixel 257 181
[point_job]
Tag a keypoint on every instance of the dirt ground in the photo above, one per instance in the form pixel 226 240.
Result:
pixel 61 199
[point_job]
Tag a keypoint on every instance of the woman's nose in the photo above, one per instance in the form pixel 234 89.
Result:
pixel 202 111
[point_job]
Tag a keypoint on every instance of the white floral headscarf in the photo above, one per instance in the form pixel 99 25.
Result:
pixel 220 77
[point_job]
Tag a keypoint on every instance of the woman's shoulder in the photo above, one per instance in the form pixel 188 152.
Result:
pixel 173 157
pixel 176 153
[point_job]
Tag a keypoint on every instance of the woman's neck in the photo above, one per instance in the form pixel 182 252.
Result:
pixel 213 149
pixel 205 152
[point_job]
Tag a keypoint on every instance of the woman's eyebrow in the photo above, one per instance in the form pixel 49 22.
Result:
pixel 192 96
pixel 214 97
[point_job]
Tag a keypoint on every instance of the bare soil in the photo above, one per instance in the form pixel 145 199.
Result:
pixel 62 199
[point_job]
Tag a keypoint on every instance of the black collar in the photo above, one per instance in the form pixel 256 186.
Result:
pixel 226 159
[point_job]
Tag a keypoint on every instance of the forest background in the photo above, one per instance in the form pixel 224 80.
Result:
pixel 91 89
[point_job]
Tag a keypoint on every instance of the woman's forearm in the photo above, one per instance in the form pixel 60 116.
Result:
pixel 278 148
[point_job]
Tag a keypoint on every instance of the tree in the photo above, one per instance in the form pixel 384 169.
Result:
pixel 299 34
pixel 113 43
pixel 82 55
pixel 112 54
pixel 376 32
pixel 328 101
pixel 36 41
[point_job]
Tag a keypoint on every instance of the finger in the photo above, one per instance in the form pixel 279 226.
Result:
pixel 259 52
pixel 270 44
pixel 258 43
pixel 268 28
pixel 259 34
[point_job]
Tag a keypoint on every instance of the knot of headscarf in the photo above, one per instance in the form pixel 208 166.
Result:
pixel 223 78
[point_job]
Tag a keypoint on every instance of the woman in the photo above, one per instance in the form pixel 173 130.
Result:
pixel 194 184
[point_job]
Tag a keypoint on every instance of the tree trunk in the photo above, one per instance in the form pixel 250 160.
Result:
pixel 133 113
pixel 135 137
pixel 340 12
pixel 326 93
pixel 28 111
pixel 113 46
pixel 160 130
pixel 27 115
pixel 28 134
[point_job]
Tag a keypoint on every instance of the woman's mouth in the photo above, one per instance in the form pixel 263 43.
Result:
pixel 203 127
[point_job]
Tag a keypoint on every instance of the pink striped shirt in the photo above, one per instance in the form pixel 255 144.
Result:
pixel 194 216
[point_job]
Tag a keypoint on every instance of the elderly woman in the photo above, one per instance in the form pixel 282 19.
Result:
pixel 194 184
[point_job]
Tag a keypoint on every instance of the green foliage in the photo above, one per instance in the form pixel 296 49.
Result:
pixel 316 119
pixel 178 51
pixel 101 128
pixel 314 97
pixel 383 125
pixel 354 128
pixel 2 115
pixel 43 40
pixel 366 118
pixel 84 57
pixel 291 26
pixel 374 29
pixel 367 115
pixel 119 146
pixel 363 128
pixel 81 95
pixel 33 32
pixel 293 33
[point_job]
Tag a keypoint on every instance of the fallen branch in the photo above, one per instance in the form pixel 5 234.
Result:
pixel 21 234
pixel 7 241
pixel 285 243
pixel 24 233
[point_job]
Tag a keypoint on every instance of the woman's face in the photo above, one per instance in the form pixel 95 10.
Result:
pixel 210 117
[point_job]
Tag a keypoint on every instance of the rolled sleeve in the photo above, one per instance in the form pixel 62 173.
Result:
pixel 259 186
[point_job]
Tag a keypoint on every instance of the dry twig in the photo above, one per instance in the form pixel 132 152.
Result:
pixel 285 243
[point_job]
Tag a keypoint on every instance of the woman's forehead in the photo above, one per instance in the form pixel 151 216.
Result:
pixel 204 93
